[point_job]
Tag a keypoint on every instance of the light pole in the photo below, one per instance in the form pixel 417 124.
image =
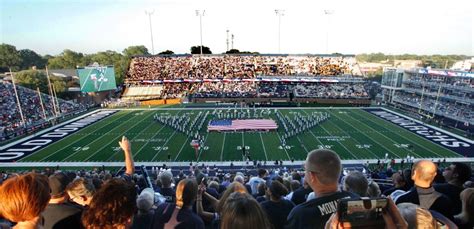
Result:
pixel 279 14
pixel 328 13
pixel 151 30
pixel 200 14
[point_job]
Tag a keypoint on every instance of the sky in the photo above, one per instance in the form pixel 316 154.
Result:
pixel 352 27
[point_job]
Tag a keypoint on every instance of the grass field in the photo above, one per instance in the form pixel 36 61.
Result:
pixel 352 133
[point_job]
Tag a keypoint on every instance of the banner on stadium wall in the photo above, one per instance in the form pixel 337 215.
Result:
pixel 97 78
pixel 444 73
pixel 298 80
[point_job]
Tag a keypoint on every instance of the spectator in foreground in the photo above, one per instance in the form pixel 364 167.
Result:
pixel 81 191
pixel 179 215
pixel 23 198
pixel 423 193
pixel 241 210
pixel 416 217
pixel 60 213
pixel 322 170
pixel 466 218
pixel 144 217
pixel 277 207
pixel 113 206
pixel 357 183
pixel 455 175
pixel 166 190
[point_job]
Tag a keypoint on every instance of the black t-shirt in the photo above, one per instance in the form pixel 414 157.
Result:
pixel 452 192
pixel 316 212
pixel 62 215
pixel 169 194
pixel 185 217
pixel 278 211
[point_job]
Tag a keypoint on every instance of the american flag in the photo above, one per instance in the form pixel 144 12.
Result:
pixel 242 124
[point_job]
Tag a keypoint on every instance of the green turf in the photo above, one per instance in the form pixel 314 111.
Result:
pixel 352 133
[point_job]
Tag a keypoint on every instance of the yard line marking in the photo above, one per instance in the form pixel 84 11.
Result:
pixel 223 143
pixel 302 144
pixel 283 147
pixel 399 133
pixel 143 146
pixel 390 138
pixel 135 136
pixel 85 135
pixel 331 134
pixel 264 149
pixel 204 142
pixel 181 149
pixel 163 145
pixel 335 115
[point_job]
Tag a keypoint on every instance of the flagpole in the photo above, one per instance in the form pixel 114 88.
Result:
pixel 41 102
pixel 51 91
pixel 17 99
pixel 55 98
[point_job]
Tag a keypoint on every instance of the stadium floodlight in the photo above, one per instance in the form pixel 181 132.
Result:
pixel 328 13
pixel 279 14
pixel 151 30
pixel 200 14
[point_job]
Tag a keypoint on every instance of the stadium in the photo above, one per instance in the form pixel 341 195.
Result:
pixel 237 139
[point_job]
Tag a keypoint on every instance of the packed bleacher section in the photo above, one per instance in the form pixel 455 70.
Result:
pixel 234 67
pixel 10 119
pixel 211 197
pixel 447 96
pixel 342 90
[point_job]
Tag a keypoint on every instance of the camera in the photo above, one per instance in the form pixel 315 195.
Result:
pixel 362 213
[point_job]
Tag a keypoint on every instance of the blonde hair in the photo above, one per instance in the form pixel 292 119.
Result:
pixel 24 197
pixel 81 187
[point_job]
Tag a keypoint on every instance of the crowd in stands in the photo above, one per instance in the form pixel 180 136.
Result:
pixel 449 109
pixel 423 196
pixel 10 118
pixel 340 90
pixel 234 67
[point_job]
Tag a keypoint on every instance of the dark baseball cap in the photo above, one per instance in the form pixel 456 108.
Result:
pixel 58 183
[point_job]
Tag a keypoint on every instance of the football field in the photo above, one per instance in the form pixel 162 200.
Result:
pixel 351 132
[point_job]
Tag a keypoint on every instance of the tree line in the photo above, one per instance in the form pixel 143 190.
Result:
pixel 433 61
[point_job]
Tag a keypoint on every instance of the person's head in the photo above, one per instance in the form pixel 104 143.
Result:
pixel 397 180
pixel 276 190
pixel 261 187
pixel 58 183
pixel 145 200
pixel 81 191
pixel 262 173
pixel 357 183
pixel 374 189
pixel 423 173
pixel 166 179
pixel 457 172
pixel 214 185
pixel 112 206
pixel 295 185
pixel 239 178
pixel 233 187
pixel 322 169
pixel 24 197
pixel 241 210
pixel 415 216
pixel 186 192
pixel 467 199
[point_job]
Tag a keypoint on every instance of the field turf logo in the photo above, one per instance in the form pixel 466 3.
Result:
pixel 437 136
pixel 27 147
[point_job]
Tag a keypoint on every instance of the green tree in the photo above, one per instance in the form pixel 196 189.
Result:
pixel 167 52
pixel 9 57
pixel 59 85
pixel 197 50
pixel 66 60
pixel 32 79
pixel 139 50
pixel 30 58
pixel 233 51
